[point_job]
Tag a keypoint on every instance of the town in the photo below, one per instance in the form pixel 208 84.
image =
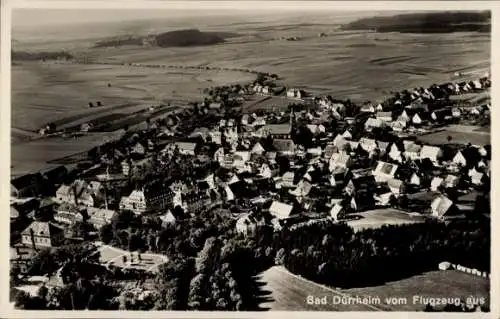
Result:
pixel 214 194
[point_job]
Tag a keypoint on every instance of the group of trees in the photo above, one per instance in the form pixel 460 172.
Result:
pixel 374 256
pixel 84 284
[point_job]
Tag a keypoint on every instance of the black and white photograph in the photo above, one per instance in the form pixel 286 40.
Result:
pixel 250 157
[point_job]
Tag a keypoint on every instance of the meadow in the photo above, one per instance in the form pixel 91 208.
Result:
pixel 379 217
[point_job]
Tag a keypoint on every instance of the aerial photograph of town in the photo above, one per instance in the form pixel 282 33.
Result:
pixel 250 160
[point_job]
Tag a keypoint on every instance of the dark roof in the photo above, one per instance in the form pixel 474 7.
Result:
pixel 239 188
pixel 26 180
pixel 56 172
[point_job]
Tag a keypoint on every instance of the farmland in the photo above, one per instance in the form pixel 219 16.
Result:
pixel 436 284
pixel 379 217
pixel 357 65
pixel 459 134
pixel 290 292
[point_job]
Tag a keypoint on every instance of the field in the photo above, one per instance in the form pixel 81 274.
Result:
pixel 30 156
pixel 289 293
pixel 379 217
pixel 460 134
pixel 436 284
pixel 356 65
pixel 114 256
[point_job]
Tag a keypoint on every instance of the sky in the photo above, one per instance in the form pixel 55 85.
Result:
pixel 29 17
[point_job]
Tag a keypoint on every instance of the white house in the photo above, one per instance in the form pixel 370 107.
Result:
pixel 431 152
pixel 368 144
pixel 440 206
pixel 280 210
pixel 384 116
pixel 395 153
pixel 459 159
pixel 436 183
pixel 412 151
pixel 347 135
pixel 186 148
pixel 384 171
pixel 373 123
pixel 451 181
pixel 415 179
pixel 339 160
pixel 416 119
pixel 337 212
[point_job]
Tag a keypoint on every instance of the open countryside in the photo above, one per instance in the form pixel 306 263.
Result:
pixel 252 164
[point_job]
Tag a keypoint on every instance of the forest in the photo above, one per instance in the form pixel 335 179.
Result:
pixel 375 256
pixel 429 22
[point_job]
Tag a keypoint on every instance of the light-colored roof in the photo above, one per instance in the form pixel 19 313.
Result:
pixel 340 159
pixel 100 213
pixel 371 122
pixel 280 210
pixel 385 168
pixel 279 128
pixel 41 229
pixel 440 206
pixel 186 146
pixel 430 152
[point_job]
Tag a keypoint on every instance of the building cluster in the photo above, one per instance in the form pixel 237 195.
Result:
pixel 256 164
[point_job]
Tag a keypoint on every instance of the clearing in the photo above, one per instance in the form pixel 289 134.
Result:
pixel 380 217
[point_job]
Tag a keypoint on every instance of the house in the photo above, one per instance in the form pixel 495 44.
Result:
pixel 417 119
pixel 459 159
pixel 412 151
pixel 384 199
pixel 368 108
pixel 404 117
pixel 415 179
pixel 384 171
pixel 362 201
pixel 258 149
pixel 99 217
pixel 451 181
pixel 395 153
pixel 367 144
pixel 246 224
pixel 398 125
pixel 361 184
pixel 442 206
pixel 339 160
pixel 384 116
pixel 329 150
pixel 372 123
pixel 68 214
pixel 186 148
pixel 240 159
pixel 455 112
pixel 138 148
pixel 477 178
pixel 347 135
pixel 379 107
pixel 78 193
pixel 280 210
pixel 396 186
pixel 442 115
pixel 284 146
pixel 288 179
pixel 29 185
pixel 383 147
pixel 431 152
pixel 337 212
pixel 215 137
pixel 316 129
pixel 303 189
pixel 436 182
pixel 337 176
pixel 280 131
pixel 42 234
pixel 153 196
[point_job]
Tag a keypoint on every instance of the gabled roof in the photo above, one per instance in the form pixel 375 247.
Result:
pixel 26 180
pixel 340 159
pixel 39 228
pixel 441 205
pixel 284 145
pixel 431 152
pixel 186 146
pixel 383 115
pixel 385 168
pixel 280 210
pixel 278 129
pixel 371 122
